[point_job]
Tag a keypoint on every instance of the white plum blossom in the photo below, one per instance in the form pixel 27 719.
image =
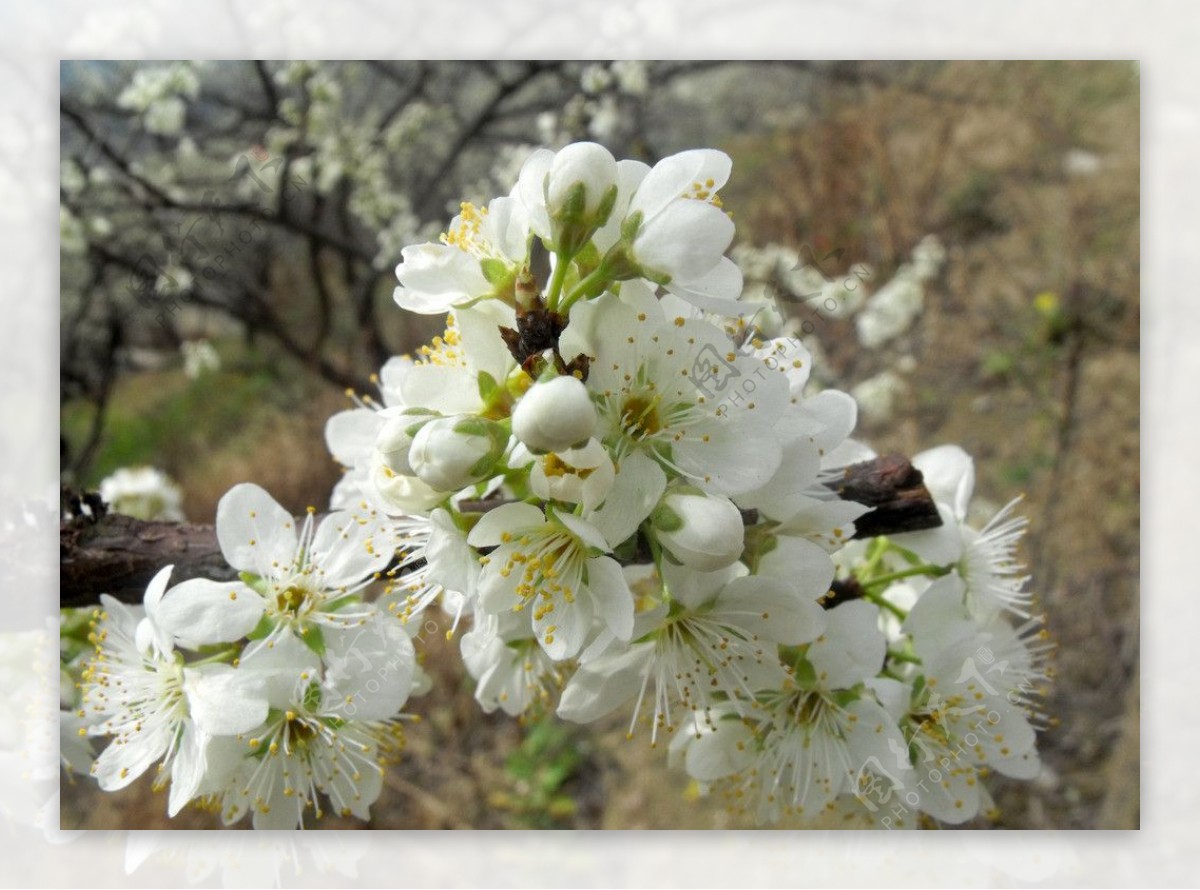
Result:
pixel 478 256
pixel 712 640
pixel 554 565
pixel 323 736
pixel 568 194
pixel 138 690
pixel 450 453
pixel 298 581
pixel 985 558
pixel 512 671
pixel 582 475
pixel 144 493
pixel 682 232
pixel 660 398
pixel 810 740
pixel 199 357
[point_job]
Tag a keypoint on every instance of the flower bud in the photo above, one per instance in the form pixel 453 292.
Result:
pixel 701 531
pixel 555 415
pixel 450 453
pixel 395 438
pixel 580 190
pixel 585 164
pixel 400 492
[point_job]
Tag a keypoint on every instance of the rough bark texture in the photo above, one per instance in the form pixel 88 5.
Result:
pixel 118 555
pixel 896 489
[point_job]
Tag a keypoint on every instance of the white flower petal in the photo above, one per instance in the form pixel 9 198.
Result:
pixel 852 647
pixel 350 435
pixel 187 768
pixel 637 487
pixel 724 752
pixel 201 612
pixel 716 291
pixel 673 176
pixel 562 632
pixel 254 531
pixel 506 519
pixel 531 189
pixel 605 684
pixel 120 764
pixel 436 277
pixel 941 546
pixel 687 239
pixel 949 475
pixel 369 669
pixel 348 548
pixel 224 700
pixel 587 533
pixel 611 595
pixel 771 609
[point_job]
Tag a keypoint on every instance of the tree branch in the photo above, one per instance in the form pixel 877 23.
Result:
pixel 119 555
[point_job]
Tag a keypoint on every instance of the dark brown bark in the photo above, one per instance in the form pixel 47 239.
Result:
pixel 896 489
pixel 119 555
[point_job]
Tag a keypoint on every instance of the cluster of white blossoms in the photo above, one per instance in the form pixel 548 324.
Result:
pixel 621 484
pixel 265 695
pixel 160 95
pixel 144 493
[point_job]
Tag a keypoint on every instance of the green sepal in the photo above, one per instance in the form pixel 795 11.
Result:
pixel 312 696
pixel 664 519
pixel 918 690
pixel 630 227
pixel 844 697
pixel 605 208
pixel 263 629
pixel 256 583
pixel 314 639
pixel 588 259
pixel 336 604
pixel 804 674
pixel 488 387
pixel 495 271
